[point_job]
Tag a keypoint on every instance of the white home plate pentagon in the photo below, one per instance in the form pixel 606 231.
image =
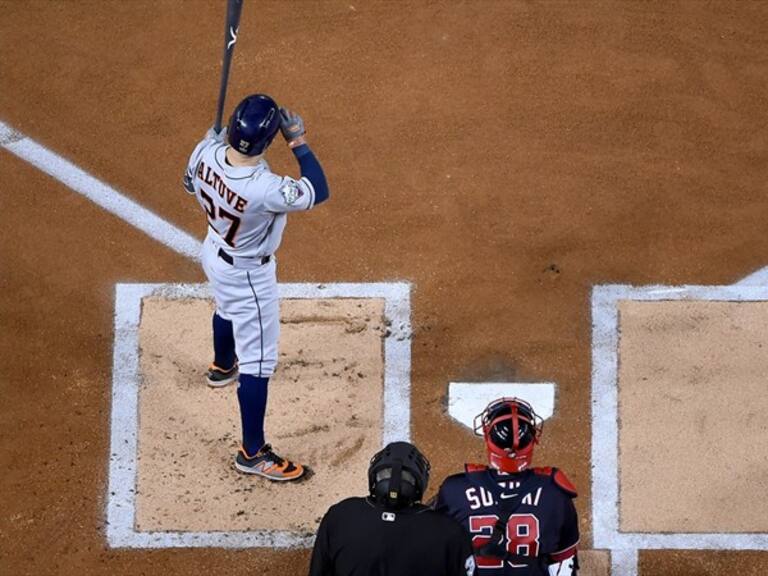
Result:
pixel 325 410
pixel 468 399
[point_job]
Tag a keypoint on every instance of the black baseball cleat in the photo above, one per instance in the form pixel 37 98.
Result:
pixel 218 377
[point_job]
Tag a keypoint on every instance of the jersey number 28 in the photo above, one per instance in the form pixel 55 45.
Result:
pixel 522 536
pixel 210 209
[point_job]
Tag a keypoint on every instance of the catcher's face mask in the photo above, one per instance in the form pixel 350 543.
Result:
pixel 510 428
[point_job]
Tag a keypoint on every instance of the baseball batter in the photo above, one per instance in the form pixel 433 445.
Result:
pixel 246 206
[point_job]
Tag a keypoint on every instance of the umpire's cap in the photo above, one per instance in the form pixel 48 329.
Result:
pixel 398 475
pixel 253 124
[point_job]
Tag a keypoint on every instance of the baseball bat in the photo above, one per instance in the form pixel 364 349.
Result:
pixel 232 26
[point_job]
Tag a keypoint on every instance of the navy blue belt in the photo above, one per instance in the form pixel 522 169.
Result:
pixel 231 261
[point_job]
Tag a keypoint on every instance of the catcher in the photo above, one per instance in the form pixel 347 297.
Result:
pixel 522 520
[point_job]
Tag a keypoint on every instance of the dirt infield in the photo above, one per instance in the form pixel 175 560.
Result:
pixel 503 157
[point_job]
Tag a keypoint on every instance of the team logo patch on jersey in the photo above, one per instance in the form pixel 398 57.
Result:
pixel 291 192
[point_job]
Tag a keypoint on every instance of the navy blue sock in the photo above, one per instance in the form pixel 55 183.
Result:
pixel 252 395
pixel 223 342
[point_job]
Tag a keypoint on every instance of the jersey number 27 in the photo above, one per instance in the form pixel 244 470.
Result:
pixel 210 209
pixel 522 536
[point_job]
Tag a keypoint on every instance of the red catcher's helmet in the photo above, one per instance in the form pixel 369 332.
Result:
pixel 510 428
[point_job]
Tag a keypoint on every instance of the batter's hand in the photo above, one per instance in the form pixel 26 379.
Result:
pixel 291 125
pixel 218 136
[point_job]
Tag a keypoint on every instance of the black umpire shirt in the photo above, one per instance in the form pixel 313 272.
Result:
pixel 358 537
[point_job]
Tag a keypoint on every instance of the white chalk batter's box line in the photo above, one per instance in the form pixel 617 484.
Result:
pixel 121 494
pixel 605 431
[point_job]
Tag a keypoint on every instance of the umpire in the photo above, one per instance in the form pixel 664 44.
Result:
pixel 390 533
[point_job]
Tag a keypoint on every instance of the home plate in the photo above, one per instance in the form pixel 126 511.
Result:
pixel 468 399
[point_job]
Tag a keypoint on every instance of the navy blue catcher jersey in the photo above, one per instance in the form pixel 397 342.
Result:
pixel 529 517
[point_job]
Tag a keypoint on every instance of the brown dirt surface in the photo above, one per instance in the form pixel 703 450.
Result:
pixel 325 411
pixel 692 387
pixel 503 157
pixel 594 563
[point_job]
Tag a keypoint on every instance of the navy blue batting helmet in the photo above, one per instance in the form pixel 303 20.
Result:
pixel 254 124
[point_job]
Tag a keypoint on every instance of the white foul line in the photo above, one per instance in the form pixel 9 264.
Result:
pixel 100 193
pixel 121 492
pixel 759 278
pixel 123 207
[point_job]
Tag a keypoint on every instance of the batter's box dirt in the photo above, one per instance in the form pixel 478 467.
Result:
pixel 679 372
pixel 698 367
pixel 341 390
